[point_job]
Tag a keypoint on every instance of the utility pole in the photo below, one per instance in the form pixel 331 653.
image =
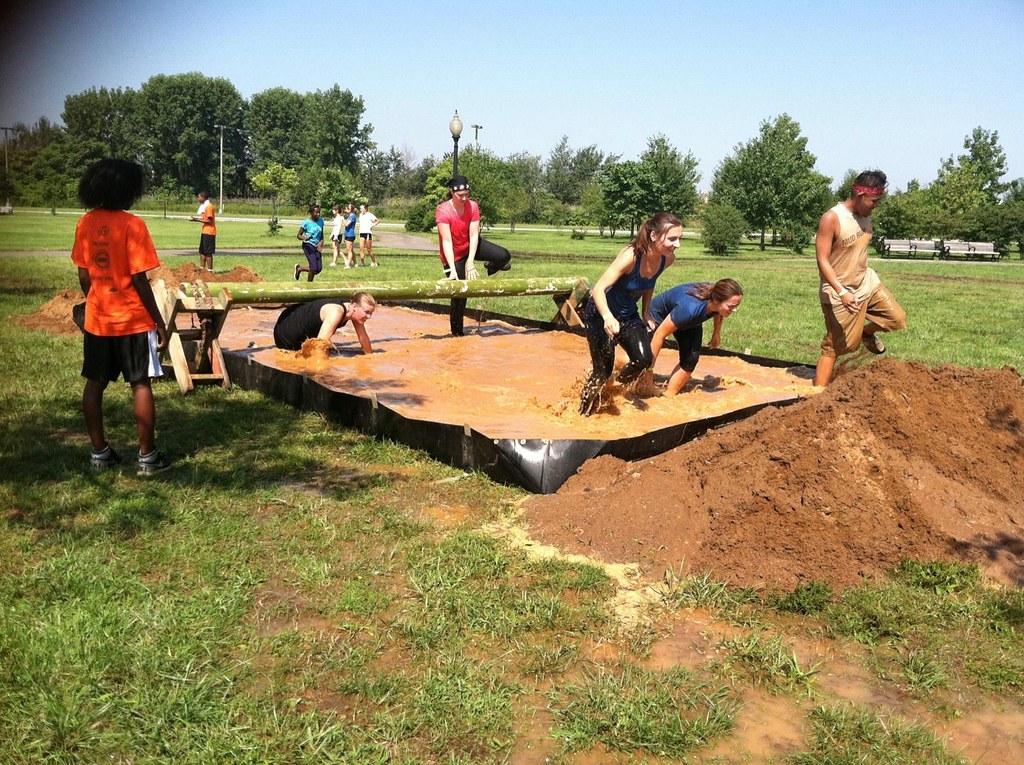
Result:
pixel 7 175
pixel 221 168
pixel 476 134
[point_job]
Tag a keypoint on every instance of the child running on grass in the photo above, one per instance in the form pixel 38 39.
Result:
pixel 124 331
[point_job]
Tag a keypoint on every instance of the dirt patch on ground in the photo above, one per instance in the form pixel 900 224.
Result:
pixel 55 315
pixel 893 460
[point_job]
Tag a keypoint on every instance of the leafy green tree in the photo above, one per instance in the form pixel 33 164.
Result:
pixel 524 198
pixel 333 135
pixel 722 227
pixel 663 179
pixel 771 180
pixel 984 165
pixel 274 123
pixel 326 186
pixel 845 188
pixel 568 172
pixel 275 180
pixel 435 189
pixel 558 171
pixel 176 120
pixel 673 177
pixel 51 179
pixel 515 205
pixel 379 173
pixel 627 193
pixel 593 208
pixel 105 118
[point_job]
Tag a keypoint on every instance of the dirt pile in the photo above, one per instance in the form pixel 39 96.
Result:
pixel 55 315
pixel 893 460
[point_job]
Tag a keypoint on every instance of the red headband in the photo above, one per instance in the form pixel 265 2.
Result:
pixel 870 191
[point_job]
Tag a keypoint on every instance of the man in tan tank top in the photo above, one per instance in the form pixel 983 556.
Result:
pixel 855 303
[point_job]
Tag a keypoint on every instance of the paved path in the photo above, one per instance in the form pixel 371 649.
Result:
pixel 393 240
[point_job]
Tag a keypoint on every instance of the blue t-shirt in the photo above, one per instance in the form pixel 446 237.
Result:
pixel 685 310
pixel 314 230
pixel 622 295
pixel 350 227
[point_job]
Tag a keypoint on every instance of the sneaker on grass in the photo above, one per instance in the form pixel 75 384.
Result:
pixel 153 463
pixel 107 458
pixel 874 343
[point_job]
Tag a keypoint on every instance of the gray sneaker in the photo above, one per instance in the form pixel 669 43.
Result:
pixel 107 458
pixel 874 343
pixel 153 463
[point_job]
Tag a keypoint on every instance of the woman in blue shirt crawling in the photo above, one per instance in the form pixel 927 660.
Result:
pixel 611 315
pixel 681 312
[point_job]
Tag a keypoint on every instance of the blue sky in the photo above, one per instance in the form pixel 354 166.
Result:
pixel 892 85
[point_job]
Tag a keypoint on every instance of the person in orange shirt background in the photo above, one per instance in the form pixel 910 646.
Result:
pixel 124 330
pixel 208 239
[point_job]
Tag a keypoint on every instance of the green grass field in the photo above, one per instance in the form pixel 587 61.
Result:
pixel 296 592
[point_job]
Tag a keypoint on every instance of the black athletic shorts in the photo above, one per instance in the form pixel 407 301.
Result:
pixel 207 244
pixel 133 357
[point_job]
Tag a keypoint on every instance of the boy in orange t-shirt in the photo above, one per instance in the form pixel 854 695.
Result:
pixel 124 331
pixel 208 237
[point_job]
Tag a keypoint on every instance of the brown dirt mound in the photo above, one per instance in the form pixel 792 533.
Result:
pixel 894 460
pixel 189 272
pixel 55 316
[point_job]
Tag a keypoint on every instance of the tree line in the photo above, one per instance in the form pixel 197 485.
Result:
pixel 297 148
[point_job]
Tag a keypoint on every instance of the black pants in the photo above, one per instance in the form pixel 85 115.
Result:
pixel 634 339
pixel 495 258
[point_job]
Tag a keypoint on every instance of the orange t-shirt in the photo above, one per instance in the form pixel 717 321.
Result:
pixel 205 214
pixel 113 245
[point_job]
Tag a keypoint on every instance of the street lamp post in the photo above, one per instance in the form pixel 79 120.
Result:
pixel 7 175
pixel 455 126
pixel 221 210
pixel 476 134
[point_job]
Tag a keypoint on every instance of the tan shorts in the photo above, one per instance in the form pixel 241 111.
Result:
pixel 844 329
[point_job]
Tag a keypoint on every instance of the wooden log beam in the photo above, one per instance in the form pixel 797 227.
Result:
pixel 297 292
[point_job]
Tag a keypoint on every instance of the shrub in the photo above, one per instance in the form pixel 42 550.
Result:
pixel 722 227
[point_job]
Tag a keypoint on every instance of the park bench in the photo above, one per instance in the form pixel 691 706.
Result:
pixel 955 248
pixel 6 210
pixel 894 248
pixel 910 248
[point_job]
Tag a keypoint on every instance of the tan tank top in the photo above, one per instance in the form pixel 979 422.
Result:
pixel 849 256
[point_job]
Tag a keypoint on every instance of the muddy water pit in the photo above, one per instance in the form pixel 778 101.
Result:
pixel 505 381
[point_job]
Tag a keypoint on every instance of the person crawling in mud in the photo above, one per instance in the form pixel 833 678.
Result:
pixel 681 312
pixel 611 314
pixel 322 318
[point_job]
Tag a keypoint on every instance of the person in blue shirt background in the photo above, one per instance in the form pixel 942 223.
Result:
pixel 681 312
pixel 311 233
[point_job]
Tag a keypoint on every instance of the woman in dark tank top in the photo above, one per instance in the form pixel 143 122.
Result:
pixel 611 314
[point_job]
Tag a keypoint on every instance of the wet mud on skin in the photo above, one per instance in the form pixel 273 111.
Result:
pixel 506 381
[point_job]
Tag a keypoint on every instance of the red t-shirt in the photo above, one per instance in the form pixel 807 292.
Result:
pixel 113 245
pixel 459 225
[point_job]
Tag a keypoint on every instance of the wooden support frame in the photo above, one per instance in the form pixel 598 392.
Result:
pixel 193 354
pixel 568 305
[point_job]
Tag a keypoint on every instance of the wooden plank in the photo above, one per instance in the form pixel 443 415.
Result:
pixel 179 363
